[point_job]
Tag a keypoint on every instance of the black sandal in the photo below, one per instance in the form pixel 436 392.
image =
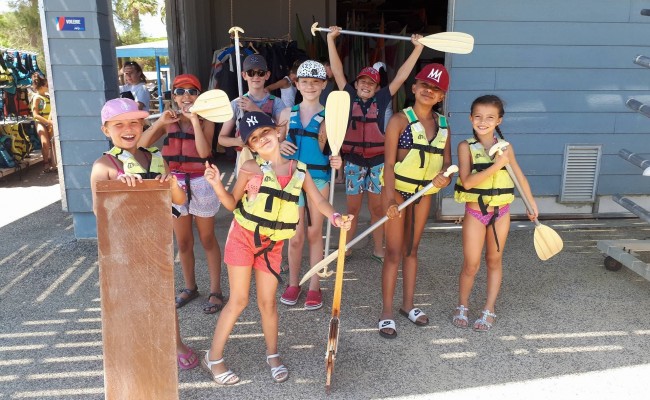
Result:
pixel 191 295
pixel 211 308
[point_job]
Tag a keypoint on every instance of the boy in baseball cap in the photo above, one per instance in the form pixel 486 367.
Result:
pixel 363 148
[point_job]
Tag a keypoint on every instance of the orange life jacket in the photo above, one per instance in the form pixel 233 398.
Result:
pixel 179 150
pixel 364 137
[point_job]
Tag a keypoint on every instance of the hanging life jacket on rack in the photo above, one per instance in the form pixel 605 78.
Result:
pixel 498 190
pixel 267 108
pixel 273 213
pixel 131 166
pixel 424 160
pixel 364 137
pixel 306 139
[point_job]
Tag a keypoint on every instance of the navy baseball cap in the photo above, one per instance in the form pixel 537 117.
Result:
pixel 251 121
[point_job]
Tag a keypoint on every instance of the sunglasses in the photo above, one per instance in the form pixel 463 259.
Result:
pixel 182 91
pixel 251 73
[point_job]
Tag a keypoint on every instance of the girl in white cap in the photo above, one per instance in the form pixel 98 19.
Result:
pixel 418 151
pixel 264 201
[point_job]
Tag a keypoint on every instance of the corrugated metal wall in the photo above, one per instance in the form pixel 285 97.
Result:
pixel 564 69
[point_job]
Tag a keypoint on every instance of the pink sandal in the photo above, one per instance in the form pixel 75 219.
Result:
pixel 188 360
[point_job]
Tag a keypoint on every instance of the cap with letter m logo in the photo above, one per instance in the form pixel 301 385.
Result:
pixel 435 74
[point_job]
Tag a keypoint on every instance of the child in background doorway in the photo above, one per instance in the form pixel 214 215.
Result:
pixel 287 86
pixel 487 190
pixel 134 83
pixel 264 201
pixel 123 122
pixel 188 143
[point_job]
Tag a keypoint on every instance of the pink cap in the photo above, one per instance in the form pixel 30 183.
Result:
pixel 122 109
pixel 371 73
pixel 435 74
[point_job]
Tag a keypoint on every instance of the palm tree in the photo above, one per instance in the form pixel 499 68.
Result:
pixel 128 12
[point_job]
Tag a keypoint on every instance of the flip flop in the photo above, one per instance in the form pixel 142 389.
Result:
pixel 188 360
pixel 413 316
pixel 387 324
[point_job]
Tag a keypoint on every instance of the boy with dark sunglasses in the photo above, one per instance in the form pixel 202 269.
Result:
pixel 255 72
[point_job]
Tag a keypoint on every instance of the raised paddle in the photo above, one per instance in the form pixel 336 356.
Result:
pixel 212 105
pixel 333 337
pixel 448 42
pixel 337 111
pixel 324 262
pixel 547 242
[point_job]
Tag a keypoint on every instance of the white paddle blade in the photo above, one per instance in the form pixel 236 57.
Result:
pixel 449 42
pixel 213 105
pixel 337 112
pixel 547 242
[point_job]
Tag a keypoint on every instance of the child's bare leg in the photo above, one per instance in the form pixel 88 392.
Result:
pixel 212 250
pixel 294 253
pixel 267 285
pixel 315 238
pixel 392 259
pixel 376 213
pixel 494 262
pixel 410 262
pixel 239 279
pixel 185 243
pixel 473 239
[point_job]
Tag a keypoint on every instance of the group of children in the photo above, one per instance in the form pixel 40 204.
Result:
pixel 282 192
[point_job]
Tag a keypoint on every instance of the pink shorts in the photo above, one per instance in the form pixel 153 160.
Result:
pixel 240 250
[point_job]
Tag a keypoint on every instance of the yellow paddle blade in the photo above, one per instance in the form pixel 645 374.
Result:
pixel 213 105
pixel 337 111
pixel 449 42
pixel 547 242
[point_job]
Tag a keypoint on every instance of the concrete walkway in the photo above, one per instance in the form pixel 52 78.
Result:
pixel 566 328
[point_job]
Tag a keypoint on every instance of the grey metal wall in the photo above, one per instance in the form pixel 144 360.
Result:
pixel 564 69
pixel 81 68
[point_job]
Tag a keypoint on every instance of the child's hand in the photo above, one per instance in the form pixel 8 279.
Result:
pixel 168 177
pixel 415 40
pixel 168 117
pixel 247 105
pixel 344 224
pixel 535 213
pixel 129 179
pixel 335 31
pixel 287 148
pixel 502 159
pixel 392 210
pixel 212 174
pixel 441 180
pixel 336 162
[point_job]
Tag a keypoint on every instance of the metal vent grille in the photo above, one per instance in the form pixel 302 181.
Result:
pixel 580 173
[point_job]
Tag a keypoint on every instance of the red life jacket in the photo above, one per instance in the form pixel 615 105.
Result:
pixel 179 150
pixel 267 108
pixel 363 136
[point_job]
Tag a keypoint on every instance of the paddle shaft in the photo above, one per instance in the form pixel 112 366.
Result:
pixel 238 57
pixel 340 264
pixel 329 226
pixel 368 34
pixel 521 192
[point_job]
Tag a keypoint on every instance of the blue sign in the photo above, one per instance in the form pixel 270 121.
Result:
pixel 70 24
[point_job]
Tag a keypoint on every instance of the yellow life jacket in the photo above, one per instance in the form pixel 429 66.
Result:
pixel 274 211
pixel 497 190
pixel 43 105
pixel 424 161
pixel 132 166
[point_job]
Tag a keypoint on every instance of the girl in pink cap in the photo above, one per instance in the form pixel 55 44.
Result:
pixel 188 144
pixel 418 151
pixel 123 123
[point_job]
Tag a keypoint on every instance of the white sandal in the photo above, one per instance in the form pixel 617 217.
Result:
pixel 226 378
pixel 461 317
pixel 277 372
pixel 483 321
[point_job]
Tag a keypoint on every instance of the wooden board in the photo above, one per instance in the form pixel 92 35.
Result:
pixel 136 275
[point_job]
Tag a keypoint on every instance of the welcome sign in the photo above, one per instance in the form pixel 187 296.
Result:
pixel 70 24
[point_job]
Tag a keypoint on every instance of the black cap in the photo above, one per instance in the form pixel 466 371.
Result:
pixel 251 121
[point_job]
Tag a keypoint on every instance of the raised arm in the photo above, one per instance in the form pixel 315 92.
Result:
pixel 405 70
pixel 335 60
pixel 155 131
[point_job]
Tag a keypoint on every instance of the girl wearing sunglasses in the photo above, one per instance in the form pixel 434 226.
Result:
pixel 186 148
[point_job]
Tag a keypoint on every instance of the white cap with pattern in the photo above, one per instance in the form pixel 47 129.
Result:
pixel 311 69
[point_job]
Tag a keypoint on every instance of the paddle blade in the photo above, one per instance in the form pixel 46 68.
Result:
pixel 547 242
pixel 337 111
pixel 213 105
pixel 450 42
